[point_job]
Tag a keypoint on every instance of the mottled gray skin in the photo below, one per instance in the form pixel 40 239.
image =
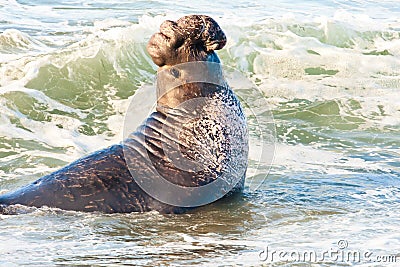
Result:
pixel 101 181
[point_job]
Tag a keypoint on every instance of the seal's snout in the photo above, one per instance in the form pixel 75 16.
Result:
pixel 191 38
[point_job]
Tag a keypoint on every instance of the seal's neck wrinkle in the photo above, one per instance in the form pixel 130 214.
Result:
pixel 179 83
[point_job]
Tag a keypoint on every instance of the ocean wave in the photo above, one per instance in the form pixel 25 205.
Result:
pixel 345 83
pixel 85 78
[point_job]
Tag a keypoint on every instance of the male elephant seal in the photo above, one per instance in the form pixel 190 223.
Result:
pixel 196 137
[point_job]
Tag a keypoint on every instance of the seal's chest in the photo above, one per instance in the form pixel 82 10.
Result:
pixel 214 135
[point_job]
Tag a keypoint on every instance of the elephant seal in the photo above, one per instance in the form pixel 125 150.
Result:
pixel 196 136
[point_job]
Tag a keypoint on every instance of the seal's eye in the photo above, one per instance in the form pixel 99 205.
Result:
pixel 175 72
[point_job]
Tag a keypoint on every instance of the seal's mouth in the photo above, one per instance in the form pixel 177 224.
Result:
pixel 215 45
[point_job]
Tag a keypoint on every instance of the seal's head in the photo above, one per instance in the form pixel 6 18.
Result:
pixel 191 38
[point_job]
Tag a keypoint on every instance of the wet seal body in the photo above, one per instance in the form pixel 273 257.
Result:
pixel 191 151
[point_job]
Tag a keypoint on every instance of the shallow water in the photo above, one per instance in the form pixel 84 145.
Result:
pixel 329 72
